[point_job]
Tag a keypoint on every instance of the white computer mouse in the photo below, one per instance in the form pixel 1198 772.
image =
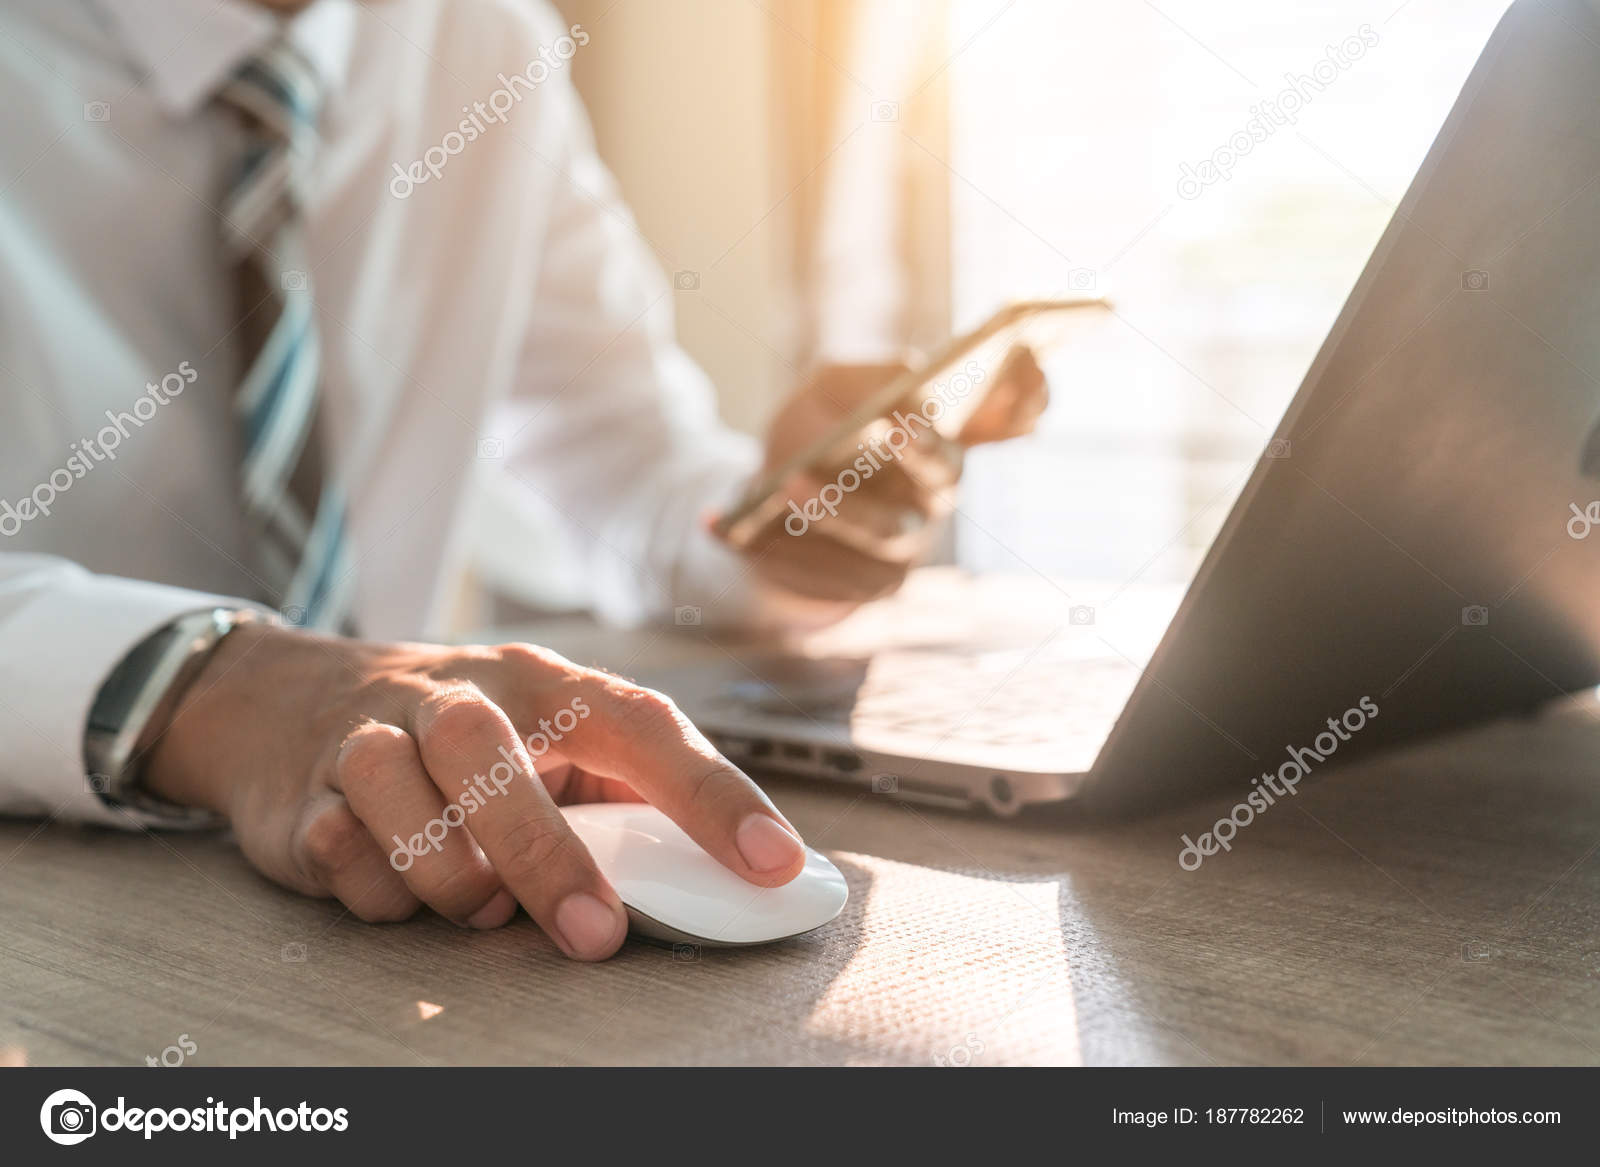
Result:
pixel 675 892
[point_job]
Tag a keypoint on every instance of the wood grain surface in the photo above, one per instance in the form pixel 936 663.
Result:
pixel 1437 906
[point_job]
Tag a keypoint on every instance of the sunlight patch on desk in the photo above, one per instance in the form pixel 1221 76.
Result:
pixel 952 970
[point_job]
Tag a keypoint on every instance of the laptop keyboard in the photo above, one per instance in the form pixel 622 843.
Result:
pixel 994 698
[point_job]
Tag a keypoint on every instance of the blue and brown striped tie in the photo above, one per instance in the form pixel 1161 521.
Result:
pixel 295 509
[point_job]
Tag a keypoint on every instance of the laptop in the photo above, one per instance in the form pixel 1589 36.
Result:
pixel 1411 554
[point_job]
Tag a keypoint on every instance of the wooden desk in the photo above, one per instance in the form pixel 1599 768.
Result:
pixel 1437 906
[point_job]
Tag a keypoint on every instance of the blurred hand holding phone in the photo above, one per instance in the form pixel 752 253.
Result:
pixel 942 399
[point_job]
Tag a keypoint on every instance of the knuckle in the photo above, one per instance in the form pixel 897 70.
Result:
pixel 534 657
pixel 387 909
pixel 645 712
pixel 464 888
pixel 333 840
pixel 724 792
pixel 456 718
pixel 532 845
pixel 369 753
pixel 712 787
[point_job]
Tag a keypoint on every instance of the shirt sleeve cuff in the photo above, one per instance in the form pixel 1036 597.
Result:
pixel 62 631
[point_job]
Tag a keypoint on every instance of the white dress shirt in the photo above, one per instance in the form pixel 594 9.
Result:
pixel 500 381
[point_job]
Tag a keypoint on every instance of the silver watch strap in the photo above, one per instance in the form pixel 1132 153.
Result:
pixel 134 693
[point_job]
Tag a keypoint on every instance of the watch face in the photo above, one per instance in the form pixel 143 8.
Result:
pixel 127 681
pixel 138 690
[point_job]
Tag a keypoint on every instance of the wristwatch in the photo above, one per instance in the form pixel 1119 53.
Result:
pixel 137 702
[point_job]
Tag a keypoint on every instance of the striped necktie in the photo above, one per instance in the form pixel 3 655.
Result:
pixel 297 517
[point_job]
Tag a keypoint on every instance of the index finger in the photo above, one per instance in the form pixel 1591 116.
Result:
pixel 640 737
pixel 474 757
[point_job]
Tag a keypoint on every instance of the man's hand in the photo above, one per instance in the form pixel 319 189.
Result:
pixel 395 775
pixel 882 516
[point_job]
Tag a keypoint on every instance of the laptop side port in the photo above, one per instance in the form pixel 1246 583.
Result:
pixel 912 790
pixel 735 746
pixel 842 760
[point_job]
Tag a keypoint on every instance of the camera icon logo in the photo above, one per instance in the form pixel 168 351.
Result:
pixel 1475 280
pixel 1475 616
pixel 686 281
pixel 686 953
pixel 1279 448
pixel 1081 614
pixel 886 111
pixel 686 616
pixel 97 111
pixel 99 783
pixel 885 784
pixel 1082 279
pixel 490 449
pixel 67 1117
pixel 294 281
pixel 294 614
pixel 1475 952
pixel 293 952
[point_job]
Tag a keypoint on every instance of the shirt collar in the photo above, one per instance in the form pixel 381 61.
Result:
pixel 187 49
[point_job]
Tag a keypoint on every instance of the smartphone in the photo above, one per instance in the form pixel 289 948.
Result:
pixel 957 377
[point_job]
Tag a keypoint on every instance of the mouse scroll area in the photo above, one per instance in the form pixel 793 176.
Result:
pixel 676 893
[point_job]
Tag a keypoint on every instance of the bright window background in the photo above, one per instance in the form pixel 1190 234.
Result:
pixel 1070 120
